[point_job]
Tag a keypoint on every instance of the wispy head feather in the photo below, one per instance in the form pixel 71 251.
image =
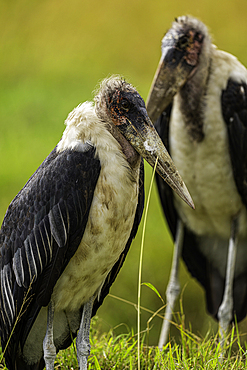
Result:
pixel 106 90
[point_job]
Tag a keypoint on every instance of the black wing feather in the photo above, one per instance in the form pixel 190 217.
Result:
pixel 41 231
pixel 116 268
pixel 234 110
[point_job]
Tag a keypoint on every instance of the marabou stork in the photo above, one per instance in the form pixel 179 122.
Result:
pixel 198 100
pixel 67 232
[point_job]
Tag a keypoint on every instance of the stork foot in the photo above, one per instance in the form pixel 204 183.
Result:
pixel 48 343
pixel 82 341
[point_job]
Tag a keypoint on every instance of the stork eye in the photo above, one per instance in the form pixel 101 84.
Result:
pixel 198 37
pixel 183 42
pixel 125 104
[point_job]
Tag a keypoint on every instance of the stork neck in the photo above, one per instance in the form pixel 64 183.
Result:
pixel 192 102
pixel 130 153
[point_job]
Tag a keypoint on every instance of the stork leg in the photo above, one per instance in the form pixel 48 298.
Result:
pixel 48 343
pixel 226 307
pixel 82 341
pixel 173 288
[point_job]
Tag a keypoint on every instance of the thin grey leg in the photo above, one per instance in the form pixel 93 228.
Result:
pixel 82 341
pixel 173 288
pixel 48 344
pixel 226 307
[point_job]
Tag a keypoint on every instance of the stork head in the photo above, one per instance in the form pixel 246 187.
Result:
pixel 185 50
pixel 121 106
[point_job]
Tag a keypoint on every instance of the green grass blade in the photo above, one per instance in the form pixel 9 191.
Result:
pixel 140 265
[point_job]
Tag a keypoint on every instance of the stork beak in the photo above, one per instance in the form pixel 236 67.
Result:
pixel 170 76
pixel 144 138
pixel 167 81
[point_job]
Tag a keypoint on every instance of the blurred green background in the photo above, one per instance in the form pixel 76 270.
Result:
pixel 52 55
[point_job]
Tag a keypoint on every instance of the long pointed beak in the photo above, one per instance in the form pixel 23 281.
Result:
pixel 146 141
pixel 168 80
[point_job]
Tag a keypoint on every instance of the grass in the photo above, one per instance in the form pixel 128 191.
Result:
pixel 110 351
pixel 120 352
